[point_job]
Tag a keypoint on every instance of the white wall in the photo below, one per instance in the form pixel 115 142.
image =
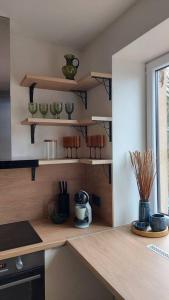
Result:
pixel 129 133
pixel 140 18
pixel 67 277
pixel 41 58
pixel 32 56
pixel 128 102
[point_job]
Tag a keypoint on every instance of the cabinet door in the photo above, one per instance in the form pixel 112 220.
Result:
pixel 67 277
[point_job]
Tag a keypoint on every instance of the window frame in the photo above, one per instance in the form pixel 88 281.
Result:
pixel 152 69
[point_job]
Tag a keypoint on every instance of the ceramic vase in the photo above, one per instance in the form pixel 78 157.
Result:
pixel 144 211
pixel 72 64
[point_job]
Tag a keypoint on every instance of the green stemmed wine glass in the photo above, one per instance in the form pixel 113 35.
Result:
pixel 33 108
pixel 69 108
pixel 58 109
pixel 53 110
pixel 43 108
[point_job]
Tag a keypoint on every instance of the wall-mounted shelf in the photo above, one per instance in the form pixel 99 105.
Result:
pixel 92 80
pixel 44 162
pixel 88 161
pixel 81 124
pixel 57 122
pixel 85 161
pixel 49 83
pixel 60 84
pixel 101 119
pixel 80 87
pixel 18 164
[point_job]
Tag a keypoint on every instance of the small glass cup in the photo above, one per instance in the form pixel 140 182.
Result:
pixel 33 108
pixel 43 108
pixel 50 149
pixel 69 108
pixel 58 109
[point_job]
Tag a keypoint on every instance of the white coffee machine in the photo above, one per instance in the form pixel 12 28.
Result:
pixel 83 211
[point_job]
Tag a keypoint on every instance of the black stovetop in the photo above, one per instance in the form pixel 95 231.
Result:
pixel 19 234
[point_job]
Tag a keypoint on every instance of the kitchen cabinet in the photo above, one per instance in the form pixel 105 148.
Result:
pixel 67 277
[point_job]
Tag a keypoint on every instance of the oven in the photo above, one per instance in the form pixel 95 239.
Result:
pixel 22 277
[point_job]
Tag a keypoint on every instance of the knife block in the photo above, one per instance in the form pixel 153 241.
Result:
pixel 63 204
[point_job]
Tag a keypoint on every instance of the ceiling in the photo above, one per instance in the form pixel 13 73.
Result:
pixel 72 23
pixel 149 46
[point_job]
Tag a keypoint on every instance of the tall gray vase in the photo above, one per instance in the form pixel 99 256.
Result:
pixel 144 211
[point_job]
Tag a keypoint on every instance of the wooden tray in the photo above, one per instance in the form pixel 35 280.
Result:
pixel 149 233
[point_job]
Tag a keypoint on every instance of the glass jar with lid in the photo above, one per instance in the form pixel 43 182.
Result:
pixel 50 149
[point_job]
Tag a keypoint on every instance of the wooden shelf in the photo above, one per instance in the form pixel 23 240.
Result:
pixel 82 124
pixel 92 80
pixel 65 122
pixel 61 84
pixel 57 122
pixel 49 83
pixel 43 162
pixel 85 161
pixel 101 119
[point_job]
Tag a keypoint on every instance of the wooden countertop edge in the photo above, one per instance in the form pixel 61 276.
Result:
pixel 97 274
pixel 44 245
pixel 30 249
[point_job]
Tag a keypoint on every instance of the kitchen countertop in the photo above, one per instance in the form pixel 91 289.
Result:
pixel 52 236
pixel 117 257
pixel 124 263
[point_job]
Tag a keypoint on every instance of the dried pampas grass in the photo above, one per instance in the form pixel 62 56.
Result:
pixel 144 169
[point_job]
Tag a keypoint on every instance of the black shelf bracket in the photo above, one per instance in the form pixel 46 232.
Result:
pixel 31 92
pixel 33 170
pixel 83 130
pixel 83 96
pixel 110 89
pixel 110 131
pixel 108 128
pixel 33 133
pixel 107 83
pixel 19 164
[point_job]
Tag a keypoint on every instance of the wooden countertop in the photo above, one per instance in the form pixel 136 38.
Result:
pixel 52 236
pixel 124 263
pixel 117 257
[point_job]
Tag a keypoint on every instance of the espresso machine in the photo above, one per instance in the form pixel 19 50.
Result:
pixel 83 211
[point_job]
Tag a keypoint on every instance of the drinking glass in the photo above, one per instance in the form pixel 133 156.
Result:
pixel 43 108
pixel 101 143
pixel 89 144
pixel 50 149
pixel 77 144
pixel 52 110
pixel 33 108
pixel 94 145
pixel 58 109
pixel 69 108
pixel 66 145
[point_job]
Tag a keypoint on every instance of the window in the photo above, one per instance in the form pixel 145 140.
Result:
pixel 158 128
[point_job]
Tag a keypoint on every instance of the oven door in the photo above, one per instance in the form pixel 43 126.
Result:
pixel 28 285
